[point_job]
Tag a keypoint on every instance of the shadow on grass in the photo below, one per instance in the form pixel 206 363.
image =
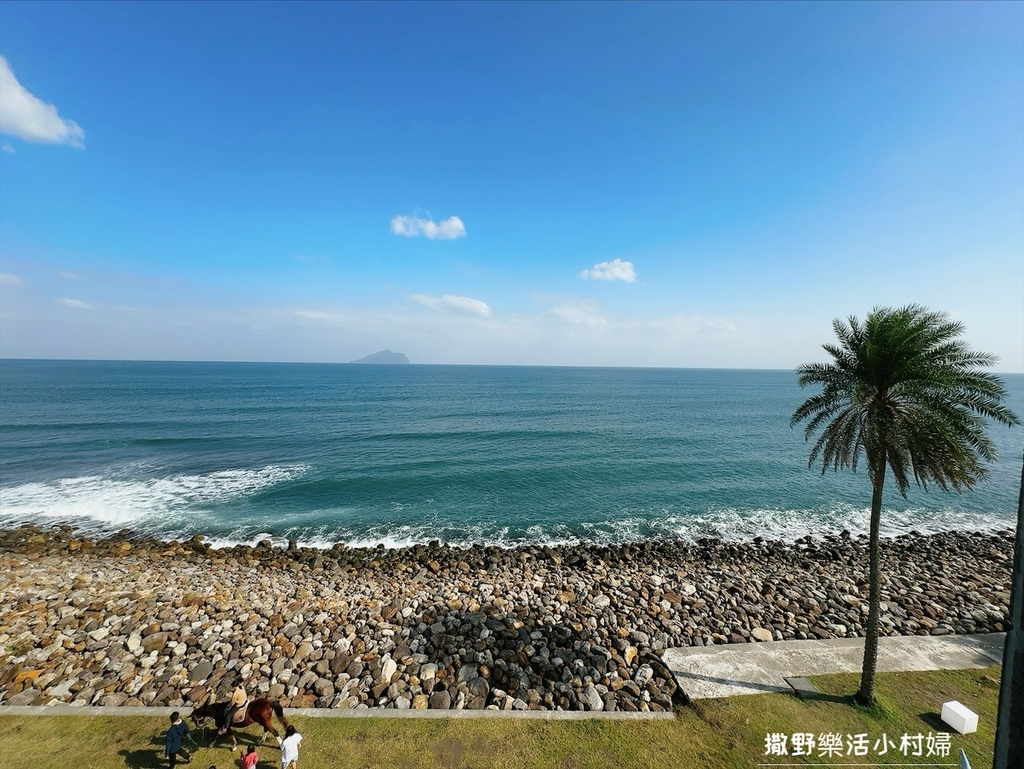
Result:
pixel 153 758
pixel 935 722
pixel 143 759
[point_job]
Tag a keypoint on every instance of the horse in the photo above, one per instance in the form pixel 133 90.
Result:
pixel 260 711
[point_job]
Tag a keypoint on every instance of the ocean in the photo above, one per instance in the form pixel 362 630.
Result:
pixel 397 455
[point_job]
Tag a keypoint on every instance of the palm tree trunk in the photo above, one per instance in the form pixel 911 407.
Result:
pixel 866 694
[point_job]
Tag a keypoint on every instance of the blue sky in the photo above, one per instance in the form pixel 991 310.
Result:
pixel 581 184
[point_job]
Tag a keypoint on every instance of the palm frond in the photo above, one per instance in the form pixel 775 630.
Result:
pixel 902 384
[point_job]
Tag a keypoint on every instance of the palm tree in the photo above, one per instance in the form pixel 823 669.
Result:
pixel 903 390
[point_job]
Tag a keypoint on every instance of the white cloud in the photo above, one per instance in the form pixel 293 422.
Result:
pixel 412 226
pixel 318 315
pixel 30 118
pixel 7 148
pixel 68 275
pixel 577 313
pixel 75 303
pixel 616 269
pixel 8 279
pixel 460 305
pixel 558 330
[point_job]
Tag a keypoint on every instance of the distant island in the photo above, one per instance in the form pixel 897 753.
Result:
pixel 384 356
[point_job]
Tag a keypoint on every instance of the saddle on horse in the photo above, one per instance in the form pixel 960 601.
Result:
pixel 239 715
pixel 232 715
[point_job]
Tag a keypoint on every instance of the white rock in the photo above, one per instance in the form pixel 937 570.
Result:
pixel 592 698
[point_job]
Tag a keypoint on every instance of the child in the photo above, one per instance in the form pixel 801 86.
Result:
pixel 290 748
pixel 249 758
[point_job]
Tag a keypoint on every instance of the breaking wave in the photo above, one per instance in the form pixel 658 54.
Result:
pixel 156 506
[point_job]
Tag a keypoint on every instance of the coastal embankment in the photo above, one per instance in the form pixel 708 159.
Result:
pixel 133 621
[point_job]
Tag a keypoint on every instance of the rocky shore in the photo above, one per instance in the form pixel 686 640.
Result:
pixel 130 621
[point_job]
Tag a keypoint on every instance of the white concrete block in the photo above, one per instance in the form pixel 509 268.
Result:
pixel 959 717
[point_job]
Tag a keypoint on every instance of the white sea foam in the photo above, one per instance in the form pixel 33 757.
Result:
pixel 180 506
pixel 728 524
pixel 158 504
pixel 407 536
pixel 793 524
pixel 276 540
pixel 725 524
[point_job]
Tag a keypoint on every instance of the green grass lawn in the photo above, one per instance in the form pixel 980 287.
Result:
pixel 712 733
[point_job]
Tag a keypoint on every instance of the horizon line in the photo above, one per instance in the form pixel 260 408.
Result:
pixel 410 363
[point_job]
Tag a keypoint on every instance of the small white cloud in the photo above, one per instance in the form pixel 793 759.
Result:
pixel 8 279
pixel 75 303
pixel 306 259
pixel 460 305
pixel 30 118
pixel 412 226
pixel 7 148
pixel 68 275
pixel 616 269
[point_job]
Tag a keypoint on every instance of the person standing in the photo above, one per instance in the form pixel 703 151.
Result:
pixel 177 733
pixel 290 748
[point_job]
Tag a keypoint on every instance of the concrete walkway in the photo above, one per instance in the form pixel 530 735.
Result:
pixel 755 668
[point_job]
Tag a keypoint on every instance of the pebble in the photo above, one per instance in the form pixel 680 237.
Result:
pixel 129 621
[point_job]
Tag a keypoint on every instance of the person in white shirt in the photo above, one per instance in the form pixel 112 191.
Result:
pixel 290 748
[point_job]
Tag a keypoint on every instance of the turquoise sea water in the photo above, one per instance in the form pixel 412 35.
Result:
pixel 464 454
